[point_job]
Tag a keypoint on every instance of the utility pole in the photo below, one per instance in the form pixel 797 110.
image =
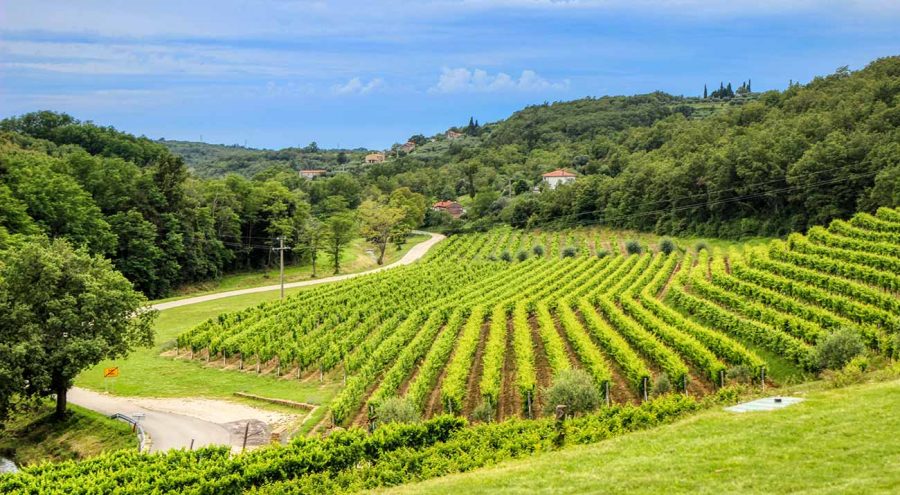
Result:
pixel 281 249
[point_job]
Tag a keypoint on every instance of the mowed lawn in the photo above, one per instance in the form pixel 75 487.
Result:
pixel 147 374
pixel 838 441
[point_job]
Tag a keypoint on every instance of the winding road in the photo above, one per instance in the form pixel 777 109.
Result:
pixel 412 255
pixel 170 430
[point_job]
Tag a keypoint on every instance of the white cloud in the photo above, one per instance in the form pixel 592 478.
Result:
pixel 357 86
pixel 461 79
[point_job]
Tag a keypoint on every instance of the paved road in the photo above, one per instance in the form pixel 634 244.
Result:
pixel 167 430
pixel 412 255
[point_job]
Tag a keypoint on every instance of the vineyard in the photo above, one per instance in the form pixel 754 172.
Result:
pixel 487 320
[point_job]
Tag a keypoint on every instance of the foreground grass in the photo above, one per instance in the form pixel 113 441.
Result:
pixel 32 437
pixel 355 259
pixel 837 441
pixel 145 373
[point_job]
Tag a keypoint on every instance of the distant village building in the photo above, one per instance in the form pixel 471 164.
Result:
pixel 453 135
pixel 557 177
pixel 408 146
pixel 312 174
pixel 452 207
pixel 376 157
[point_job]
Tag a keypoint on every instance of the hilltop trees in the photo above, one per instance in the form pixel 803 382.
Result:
pixel 63 310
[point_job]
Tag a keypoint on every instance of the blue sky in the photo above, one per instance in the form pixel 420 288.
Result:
pixel 277 73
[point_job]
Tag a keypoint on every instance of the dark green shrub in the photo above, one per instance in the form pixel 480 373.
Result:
pixel 483 413
pixel 505 256
pixel 397 410
pixel 574 388
pixel 661 386
pixel 666 246
pixel 633 247
pixel 569 252
pixel 602 253
pixel 836 349
pixel 538 250
pixel 700 246
pixel 522 255
pixel 491 257
pixel 739 374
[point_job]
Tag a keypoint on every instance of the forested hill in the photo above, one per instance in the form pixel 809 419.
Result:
pixel 218 160
pixel 778 162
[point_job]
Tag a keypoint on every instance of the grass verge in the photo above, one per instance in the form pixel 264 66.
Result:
pixel 838 441
pixel 33 436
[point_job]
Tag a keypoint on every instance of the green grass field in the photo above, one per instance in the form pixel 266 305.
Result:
pixel 838 441
pixel 33 436
pixel 355 259
pixel 146 373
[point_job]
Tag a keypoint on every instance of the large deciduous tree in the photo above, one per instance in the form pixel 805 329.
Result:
pixel 63 310
pixel 377 223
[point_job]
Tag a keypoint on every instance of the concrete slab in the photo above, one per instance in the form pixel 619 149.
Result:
pixel 766 404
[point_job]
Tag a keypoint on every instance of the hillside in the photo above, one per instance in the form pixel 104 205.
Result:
pixel 837 441
pixel 218 160
pixel 778 163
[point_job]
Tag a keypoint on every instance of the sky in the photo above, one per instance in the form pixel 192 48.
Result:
pixel 279 73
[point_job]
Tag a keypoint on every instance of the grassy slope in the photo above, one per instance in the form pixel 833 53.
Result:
pixel 34 437
pixel 838 441
pixel 355 259
pixel 146 373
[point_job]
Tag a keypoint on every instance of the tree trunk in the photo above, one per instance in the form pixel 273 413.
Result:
pixel 382 247
pixel 61 404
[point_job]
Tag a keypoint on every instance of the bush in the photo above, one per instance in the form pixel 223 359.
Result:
pixel 396 410
pixel 538 250
pixel 505 256
pixel 633 247
pixel 602 253
pixel 661 386
pixel 700 246
pixel 836 349
pixel 740 374
pixel 666 246
pixel 522 255
pixel 483 413
pixel 574 388
pixel 491 257
pixel 569 252
pixel 852 372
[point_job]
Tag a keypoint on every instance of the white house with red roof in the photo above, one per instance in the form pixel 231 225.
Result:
pixel 312 173
pixel 452 207
pixel 557 177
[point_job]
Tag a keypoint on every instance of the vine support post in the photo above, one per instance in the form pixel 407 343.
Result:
pixel 528 403
pixel 721 378
pixel 645 392
pixel 241 362
pixel 684 383
pixel 257 364
pixel 606 393
pixel 762 378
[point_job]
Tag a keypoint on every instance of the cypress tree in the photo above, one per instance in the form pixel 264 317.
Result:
pixel 704 92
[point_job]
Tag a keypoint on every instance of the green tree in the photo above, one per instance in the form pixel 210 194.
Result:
pixel 340 229
pixel 70 310
pixel 378 222
pixel 312 238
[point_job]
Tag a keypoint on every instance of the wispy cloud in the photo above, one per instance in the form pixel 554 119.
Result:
pixel 462 80
pixel 356 86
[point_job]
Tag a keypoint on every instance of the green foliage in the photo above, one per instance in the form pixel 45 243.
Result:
pixel 538 250
pixel 837 348
pixel 569 251
pixel 602 253
pixel 505 256
pixel 484 412
pixel 64 311
pixel 633 247
pixel 661 386
pixel 575 389
pixel 666 246
pixel 396 410
pixel 522 255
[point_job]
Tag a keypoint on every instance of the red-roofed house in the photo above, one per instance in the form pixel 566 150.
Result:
pixel 557 177
pixel 452 207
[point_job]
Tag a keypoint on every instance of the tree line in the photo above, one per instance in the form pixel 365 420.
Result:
pixel 133 201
